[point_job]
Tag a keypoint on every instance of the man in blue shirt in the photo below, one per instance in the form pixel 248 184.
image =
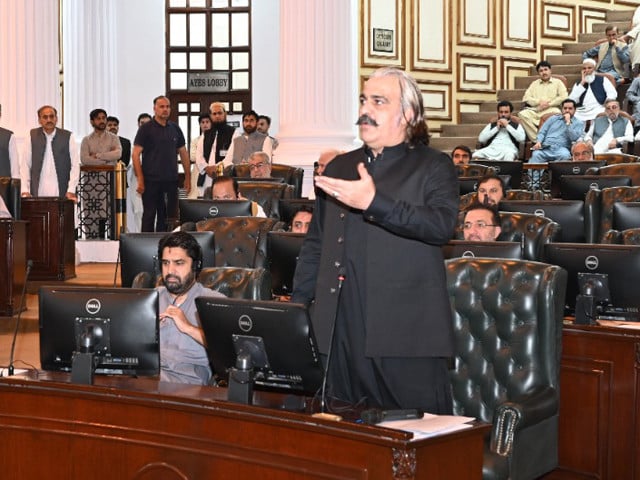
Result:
pixel 556 135
pixel 154 160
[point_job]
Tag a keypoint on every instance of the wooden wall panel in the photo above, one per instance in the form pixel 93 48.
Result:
pixel 382 36
pixel 518 25
pixel 558 21
pixel 437 99
pixel 431 35
pixel 477 22
pixel 511 68
pixel 476 73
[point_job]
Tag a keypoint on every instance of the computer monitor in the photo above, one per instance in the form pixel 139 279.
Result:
pixel 626 215
pixel 289 207
pixel 558 169
pixel 620 262
pixel 575 187
pixel 194 210
pixel 122 324
pixel 568 213
pixel 283 249
pixel 266 179
pixel 139 253
pixel 512 170
pixel 278 336
pixel 468 184
pixel 465 248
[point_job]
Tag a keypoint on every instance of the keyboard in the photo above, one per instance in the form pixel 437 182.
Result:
pixel 623 314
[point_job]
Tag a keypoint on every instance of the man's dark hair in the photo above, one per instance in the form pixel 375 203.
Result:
pixel 95 112
pixel 495 215
pixel 113 119
pixel 223 179
pixel 461 147
pixel 143 115
pixel 265 118
pixel 543 63
pixel 610 28
pixel 569 100
pixel 249 114
pixel 493 176
pixel 47 106
pixel 204 116
pixel 304 208
pixel 159 97
pixel 505 103
pixel 185 241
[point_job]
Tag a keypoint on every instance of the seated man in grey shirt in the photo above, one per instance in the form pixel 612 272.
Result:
pixel 183 356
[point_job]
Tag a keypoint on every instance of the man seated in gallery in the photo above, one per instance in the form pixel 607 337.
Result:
pixel 481 223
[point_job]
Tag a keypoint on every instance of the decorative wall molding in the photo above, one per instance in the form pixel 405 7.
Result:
pixel 587 16
pixel 431 35
pixel 558 21
pixel 437 99
pixel 477 22
pixel 476 73
pixel 518 25
pixel 512 67
pixel 382 35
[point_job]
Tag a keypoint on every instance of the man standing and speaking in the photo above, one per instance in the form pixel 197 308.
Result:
pixel 156 147
pixel 382 214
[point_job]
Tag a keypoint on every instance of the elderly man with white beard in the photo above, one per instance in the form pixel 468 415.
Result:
pixel 591 92
pixel 609 133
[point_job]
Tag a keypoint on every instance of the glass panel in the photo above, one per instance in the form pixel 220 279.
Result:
pixel 240 29
pixel 240 60
pixel 178 3
pixel 198 30
pixel 197 61
pixel 178 81
pixel 177 61
pixel 195 127
pixel 198 3
pixel 220 30
pixel 239 3
pixel 220 61
pixel 240 80
pixel 195 107
pixel 183 123
pixel 219 3
pixel 178 30
pixel 183 107
pixel 237 107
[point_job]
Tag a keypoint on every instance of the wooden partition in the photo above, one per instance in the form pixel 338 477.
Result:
pixel 51 237
pixel 143 429
pixel 13 254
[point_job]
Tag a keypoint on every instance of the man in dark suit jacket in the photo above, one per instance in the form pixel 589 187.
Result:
pixel 113 126
pixel 380 219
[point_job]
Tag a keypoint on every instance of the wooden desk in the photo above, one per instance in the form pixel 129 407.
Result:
pixel 13 264
pixel 140 428
pixel 599 404
pixel 51 237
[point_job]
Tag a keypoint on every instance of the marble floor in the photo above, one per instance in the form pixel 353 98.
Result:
pixel 27 346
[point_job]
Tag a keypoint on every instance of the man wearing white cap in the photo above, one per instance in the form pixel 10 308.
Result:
pixel 591 92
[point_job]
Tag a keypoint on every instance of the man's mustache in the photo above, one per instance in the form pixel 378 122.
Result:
pixel 366 120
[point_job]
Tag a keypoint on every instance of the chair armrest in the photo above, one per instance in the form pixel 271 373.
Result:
pixel 516 415
pixel 144 280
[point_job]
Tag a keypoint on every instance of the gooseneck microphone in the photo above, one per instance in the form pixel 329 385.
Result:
pixel 15 331
pixel 342 275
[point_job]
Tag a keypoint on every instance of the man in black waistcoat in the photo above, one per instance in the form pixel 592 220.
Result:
pixel 50 166
pixel 9 160
pixel 382 214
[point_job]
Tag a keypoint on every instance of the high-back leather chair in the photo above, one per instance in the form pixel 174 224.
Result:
pixel 292 175
pixel 630 236
pixel 234 282
pixel 599 208
pixel 513 194
pixel 474 170
pixel 239 241
pixel 10 192
pixel 615 158
pixel 631 170
pixel 268 195
pixel 507 320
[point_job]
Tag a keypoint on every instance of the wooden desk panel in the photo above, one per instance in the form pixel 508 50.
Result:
pixel 139 428
pixel 13 264
pixel 599 404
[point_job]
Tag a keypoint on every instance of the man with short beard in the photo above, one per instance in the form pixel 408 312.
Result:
pixel 213 145
pixel 249 142
pixel 591 92
pixel 610 132
pixel 183 357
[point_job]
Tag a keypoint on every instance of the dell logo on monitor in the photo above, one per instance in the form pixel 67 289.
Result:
pixel 539 212
pixel 245 323
pixel 591 262
pixel 468 254
pixel 575 170
pixel 93 306
pixel 213 211
pixel 594 186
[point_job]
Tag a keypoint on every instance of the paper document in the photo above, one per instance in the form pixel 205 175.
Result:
pixel 430 425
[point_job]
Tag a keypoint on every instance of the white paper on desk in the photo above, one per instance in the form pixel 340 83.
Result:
pixel 430 425
pixel 619 324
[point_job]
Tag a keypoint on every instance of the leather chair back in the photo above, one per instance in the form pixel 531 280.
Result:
pixel 513 194
pixel 631 236
pixel 615 158
pixel 474 170
pixel 507 322
pixel 10 192
pixel 599 208
pixel 292 175
pixel 268 195
pixel 631 170
pixel 530 229
pixel 239 241
pixel 234 282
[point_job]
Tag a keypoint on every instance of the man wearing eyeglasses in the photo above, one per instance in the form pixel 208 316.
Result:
pixel 259 165
pixel 481 223
pixel 491 190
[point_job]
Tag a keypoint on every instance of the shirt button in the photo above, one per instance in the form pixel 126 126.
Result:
pixel 371 218
pixel 337 264
pixel 341 215
pixel 340 239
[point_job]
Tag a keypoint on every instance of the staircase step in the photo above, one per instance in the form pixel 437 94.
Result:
pixel 619 16
pixel 568 59
pixel 589 37
pixel 568 69
pixel 476 117
pixel 513 95
pixel 462 130
pixel 447 144
pixel 623 26
pixel 570 48
pixel 524 82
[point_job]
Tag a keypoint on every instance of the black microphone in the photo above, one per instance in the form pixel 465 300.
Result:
pixel 342 275
pixel 372 416
pixel 15 332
